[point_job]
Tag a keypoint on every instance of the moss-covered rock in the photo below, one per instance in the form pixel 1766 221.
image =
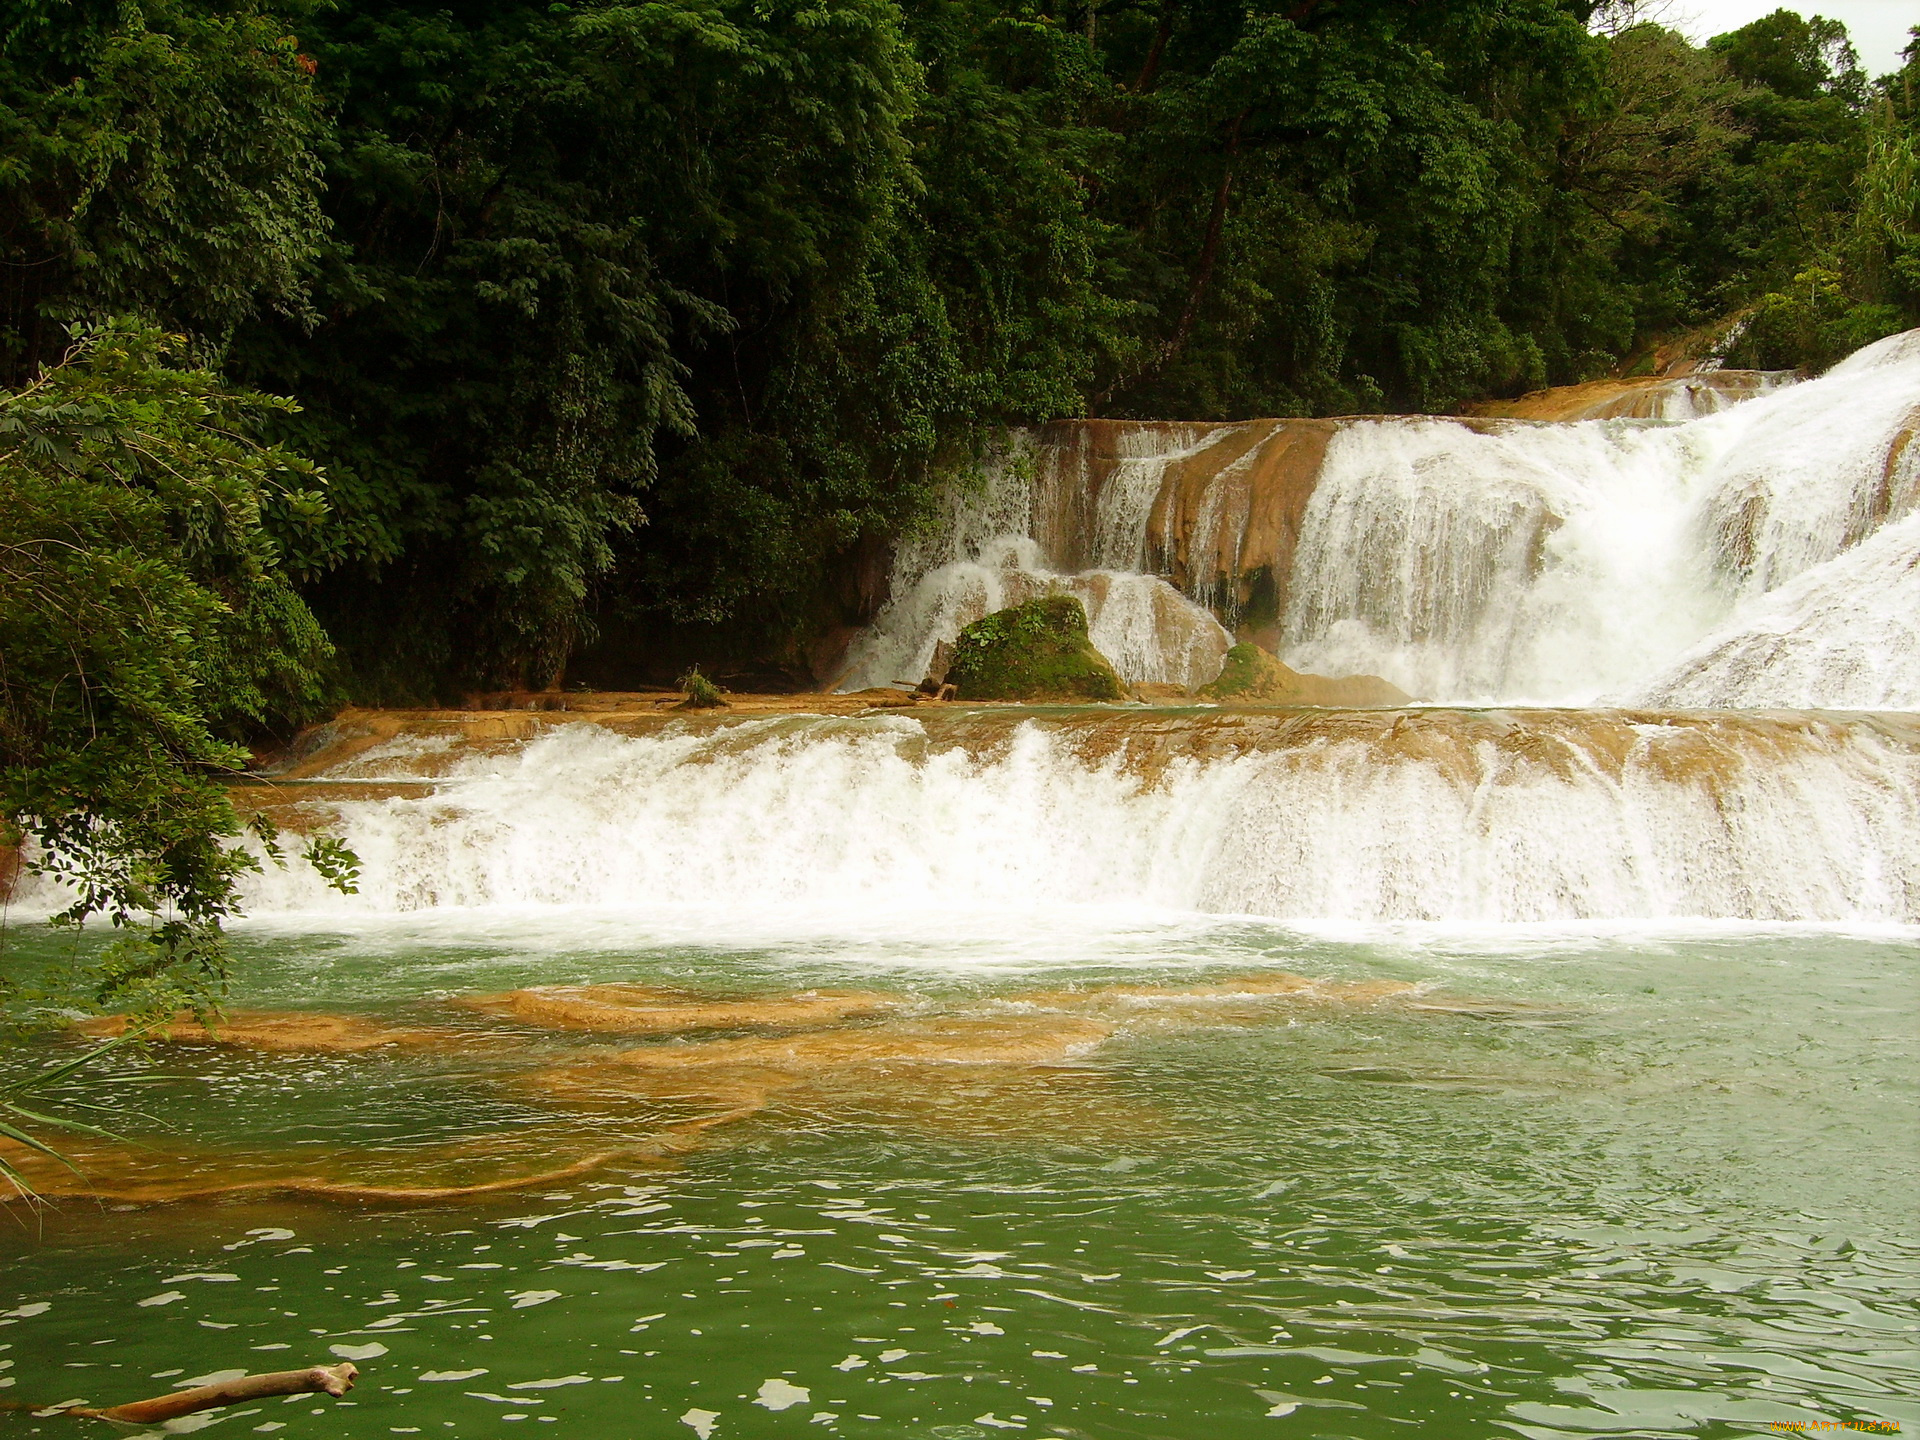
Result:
pixel 1250 675
pixel 1035 651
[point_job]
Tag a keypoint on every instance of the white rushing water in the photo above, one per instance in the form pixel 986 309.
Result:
pixel 1570 563
pixel 1512 562
pixel 848 817
pixel 1846 633
pixel 1543 562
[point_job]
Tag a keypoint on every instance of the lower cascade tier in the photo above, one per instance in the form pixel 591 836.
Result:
pixel 1382 815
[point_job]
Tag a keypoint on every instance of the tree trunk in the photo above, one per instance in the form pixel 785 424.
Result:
pixel 1209 247
pixel 1150 70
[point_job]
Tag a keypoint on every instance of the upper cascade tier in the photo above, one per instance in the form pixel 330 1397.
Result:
pixel 1715 554
pixel 1664 397
pixel 1357 815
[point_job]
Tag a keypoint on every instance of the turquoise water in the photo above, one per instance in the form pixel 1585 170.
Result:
pixel 1609 1184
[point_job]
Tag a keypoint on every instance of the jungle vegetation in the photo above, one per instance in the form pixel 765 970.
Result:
pixel 383 349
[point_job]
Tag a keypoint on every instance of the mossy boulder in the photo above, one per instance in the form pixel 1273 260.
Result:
pixel 1038 650
pixel 1250 675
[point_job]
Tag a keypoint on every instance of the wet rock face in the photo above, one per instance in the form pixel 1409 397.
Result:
pixel 1037 650
pixel 1251 674
pixel 1684 396
pixel 1215 507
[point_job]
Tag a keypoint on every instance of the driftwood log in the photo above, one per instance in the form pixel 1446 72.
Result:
pixel 314 1380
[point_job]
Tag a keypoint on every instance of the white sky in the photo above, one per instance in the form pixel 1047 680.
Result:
pixel 1879 27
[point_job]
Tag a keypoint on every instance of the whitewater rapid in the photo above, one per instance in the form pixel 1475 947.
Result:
pixel 1752 554
pixel 1361 816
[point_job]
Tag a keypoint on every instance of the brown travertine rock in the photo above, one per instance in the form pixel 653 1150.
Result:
pixel 939 1041
pixel 1464 745
pixel 648 1010
pixel 1281 983
pixel 298 1031
pixel 885 698
pixel 137 1176
pixel 1251 675
pixel 1229 501
pixel 1899 488
pixel 1229 509
pixel 1004 1065
pixel 1033 1095
pixel 1152 694
pixel 1644 397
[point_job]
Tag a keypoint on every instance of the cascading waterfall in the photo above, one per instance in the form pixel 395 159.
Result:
pixel 1689 397
pixel 1364 816
pixel 1766 555
pixel 1484 562
pixel 1566 563
pixel 1546 562
pixel 1843 634
pixel 999 543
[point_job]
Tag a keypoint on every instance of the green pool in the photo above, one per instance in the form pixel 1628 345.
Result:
pixel 1599 1182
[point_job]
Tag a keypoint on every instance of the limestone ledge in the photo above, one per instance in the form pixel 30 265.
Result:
pixel 1700 745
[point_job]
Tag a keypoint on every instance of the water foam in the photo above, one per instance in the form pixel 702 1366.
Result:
pixel 1607 819
pixel 1845 634
pixel 1565 563
pixel 1542 562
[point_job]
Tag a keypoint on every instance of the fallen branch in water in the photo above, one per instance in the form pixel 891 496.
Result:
pixel 333 1380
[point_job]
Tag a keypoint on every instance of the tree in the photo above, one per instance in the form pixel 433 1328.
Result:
pixel 160 159
pixel 1831 185
pixel 559 231
pixel 144 611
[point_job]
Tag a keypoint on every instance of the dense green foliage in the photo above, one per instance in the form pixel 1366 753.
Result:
pixel 654 313
pixel 1824 202
pixel 157 158
pixel 1036 650
pixel 143 612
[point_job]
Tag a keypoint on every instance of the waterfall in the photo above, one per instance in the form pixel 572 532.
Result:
pixel 1009 536
pixel 1844 634
pixel 1565 563
pixel 1753 574
pixel 1814 470
pixel 1365 816
pixel 1478 561
pixel 1542 562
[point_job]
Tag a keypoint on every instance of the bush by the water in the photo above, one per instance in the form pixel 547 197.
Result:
pixel 1038 650
pixel 702 693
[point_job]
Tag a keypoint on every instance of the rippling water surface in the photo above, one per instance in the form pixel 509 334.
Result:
pixel 1581 1184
